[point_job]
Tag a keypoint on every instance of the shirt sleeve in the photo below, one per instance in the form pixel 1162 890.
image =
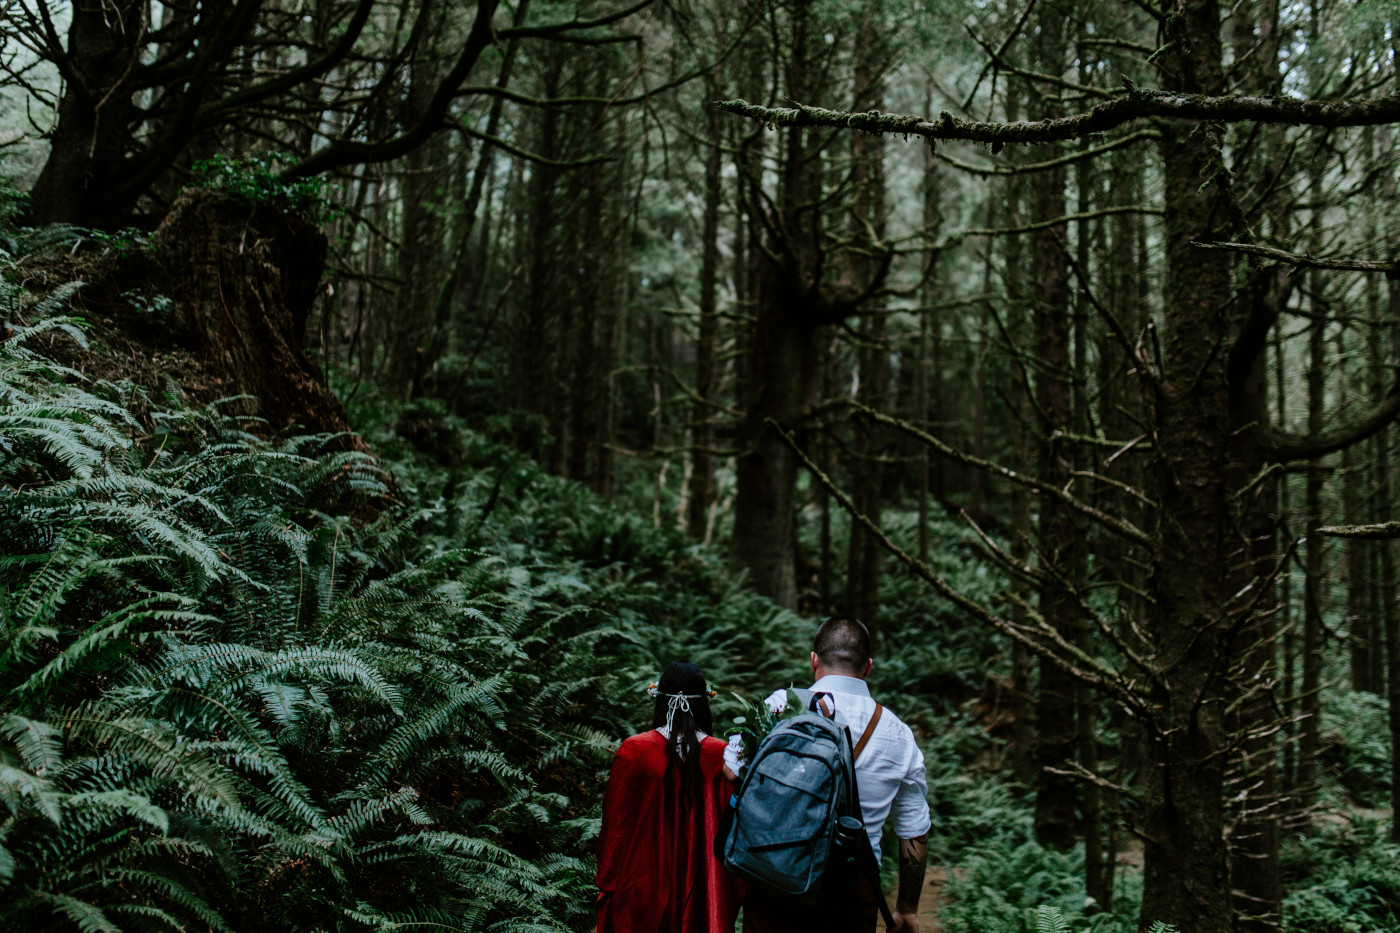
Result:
pixel 910 810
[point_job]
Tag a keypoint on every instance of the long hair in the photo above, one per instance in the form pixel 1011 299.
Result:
pixel 683 745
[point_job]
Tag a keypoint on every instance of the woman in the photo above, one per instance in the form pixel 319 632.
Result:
pixel 657 872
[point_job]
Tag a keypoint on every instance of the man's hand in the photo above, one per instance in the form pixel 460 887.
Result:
pixel 905 923
pixel 913 855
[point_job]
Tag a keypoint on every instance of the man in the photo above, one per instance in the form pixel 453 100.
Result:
pixel 891 779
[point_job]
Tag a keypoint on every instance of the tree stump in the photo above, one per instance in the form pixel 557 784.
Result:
pixel 243 277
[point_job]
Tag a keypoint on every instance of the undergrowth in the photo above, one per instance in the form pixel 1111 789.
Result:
pixel 226 705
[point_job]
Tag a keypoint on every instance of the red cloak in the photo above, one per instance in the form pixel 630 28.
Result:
pixel 657 872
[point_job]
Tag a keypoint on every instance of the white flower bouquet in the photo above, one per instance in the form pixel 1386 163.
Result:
pixel 757 720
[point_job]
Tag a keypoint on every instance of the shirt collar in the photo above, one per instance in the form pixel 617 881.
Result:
pixel 840 683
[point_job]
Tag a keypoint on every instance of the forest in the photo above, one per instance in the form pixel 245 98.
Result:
pixel 389 389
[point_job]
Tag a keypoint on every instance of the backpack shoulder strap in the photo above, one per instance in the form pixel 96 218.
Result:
pixel 869 731
pixel 865 852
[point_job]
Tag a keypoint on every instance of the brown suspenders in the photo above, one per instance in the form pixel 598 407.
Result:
pixel 869 731
pixel 869 727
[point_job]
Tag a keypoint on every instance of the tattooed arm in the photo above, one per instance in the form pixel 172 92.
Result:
pixel 913 854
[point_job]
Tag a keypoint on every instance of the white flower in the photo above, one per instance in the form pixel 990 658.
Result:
pixel 776 701
pixel 734 755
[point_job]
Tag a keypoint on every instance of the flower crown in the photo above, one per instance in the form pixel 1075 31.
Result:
pixel 654 690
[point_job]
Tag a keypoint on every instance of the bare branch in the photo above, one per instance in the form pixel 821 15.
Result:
pixel 557 30
pixel 1078 771
pixel 467 130
pixel 1057 221
pixel 1309 446
pixel 1069 159
pixel 1112 523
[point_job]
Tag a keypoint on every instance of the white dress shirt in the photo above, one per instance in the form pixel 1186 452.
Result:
pixel 889 772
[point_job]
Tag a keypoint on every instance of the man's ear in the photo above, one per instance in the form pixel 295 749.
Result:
pixel 869 663
pixel 815 662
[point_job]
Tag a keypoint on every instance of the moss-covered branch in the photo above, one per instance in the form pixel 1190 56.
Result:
pixel 1135 104
pixel 1384 531
pixel 1304 261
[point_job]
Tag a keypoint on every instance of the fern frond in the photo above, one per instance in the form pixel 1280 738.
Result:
pixel 18 786
pixel 156 745
pixel 123 801
pixel 85 916
pixel 1048 919
pixel 39 744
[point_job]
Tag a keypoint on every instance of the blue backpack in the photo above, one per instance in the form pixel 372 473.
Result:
pixel 797 817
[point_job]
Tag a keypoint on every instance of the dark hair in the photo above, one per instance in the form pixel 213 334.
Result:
pixel 683 745
pixel 842 645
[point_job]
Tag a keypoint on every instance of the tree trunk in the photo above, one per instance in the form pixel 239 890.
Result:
pixel 1098 864
pixel 1022 753
pixel 1389 577
pixel 1311 691
pixel 1289 649
pixel 1253 789
pixel 783 353
pixel 1186 858
pixel 782 376
pixel 702 435
pixel 977 480
pixel 77 183
pixel 869 475
pixel 420 266
pixel 1356 566
pixel 1057 797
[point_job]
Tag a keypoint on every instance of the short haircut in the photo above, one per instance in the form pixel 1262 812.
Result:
pixel 842 644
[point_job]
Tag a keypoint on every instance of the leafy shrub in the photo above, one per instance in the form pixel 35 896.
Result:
pixel 1007 882
pixel 258 179
pixel 1356 745
pixel 1343 878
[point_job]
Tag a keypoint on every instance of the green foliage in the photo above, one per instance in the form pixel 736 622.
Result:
pixel 1356 745
pixel 155 309
pixel 224 705
pixel 258 179
pixel 1007 883
pixel 122 241
pixel 1343 878
pixel 13 202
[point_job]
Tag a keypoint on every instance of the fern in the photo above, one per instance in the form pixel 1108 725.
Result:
pixel 1049 920
pixel 224 704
